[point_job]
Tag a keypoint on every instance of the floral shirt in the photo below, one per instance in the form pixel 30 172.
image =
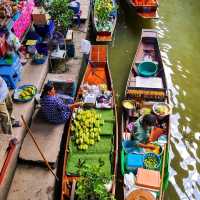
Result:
pixel 141 135
pixel 54 109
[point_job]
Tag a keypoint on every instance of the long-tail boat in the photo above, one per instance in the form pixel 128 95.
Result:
pixel 104 26
pixel 96 91
pixel 145 8
pixel 146 93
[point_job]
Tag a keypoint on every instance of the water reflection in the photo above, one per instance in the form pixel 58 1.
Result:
pixel 184 171
pixel 180 52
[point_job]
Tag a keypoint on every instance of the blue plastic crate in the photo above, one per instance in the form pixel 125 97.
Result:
pixel 134 161
pixel 9 60
pixel 12 73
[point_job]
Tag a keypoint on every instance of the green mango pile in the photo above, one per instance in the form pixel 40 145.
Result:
pixel 86 128
pixel 27 93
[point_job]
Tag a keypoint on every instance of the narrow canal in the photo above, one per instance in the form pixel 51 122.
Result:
pixel 179 35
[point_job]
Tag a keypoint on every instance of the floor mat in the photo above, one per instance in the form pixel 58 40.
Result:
pixel 72 164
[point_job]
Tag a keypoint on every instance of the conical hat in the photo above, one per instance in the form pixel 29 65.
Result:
pixel 140 194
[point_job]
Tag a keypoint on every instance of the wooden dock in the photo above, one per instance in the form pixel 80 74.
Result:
pixel 84 7
pixel 33 181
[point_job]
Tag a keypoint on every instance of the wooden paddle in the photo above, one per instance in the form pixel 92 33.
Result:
pixel 45 160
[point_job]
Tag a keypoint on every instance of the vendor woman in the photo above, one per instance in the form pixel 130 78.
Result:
pixel 53 108
pixel 141 130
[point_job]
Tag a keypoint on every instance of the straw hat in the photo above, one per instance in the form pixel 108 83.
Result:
pixel 140 194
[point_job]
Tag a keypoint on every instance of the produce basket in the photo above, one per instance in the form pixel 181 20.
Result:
pixel 152 161
pixel 39 59
pixel 24 93
pixel 162 109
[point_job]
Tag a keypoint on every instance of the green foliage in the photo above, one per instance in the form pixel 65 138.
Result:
pixel 103 8
pixel 60 12
pixel 91 184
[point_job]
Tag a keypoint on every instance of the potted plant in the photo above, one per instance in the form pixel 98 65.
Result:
pixel 103 8
pixel 92 181
pixel 60 13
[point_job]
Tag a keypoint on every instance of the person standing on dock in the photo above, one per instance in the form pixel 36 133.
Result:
pixel 85 49
pixel 75 6
pixel 6 109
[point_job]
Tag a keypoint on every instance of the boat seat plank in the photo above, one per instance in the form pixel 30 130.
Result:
pixel 107 38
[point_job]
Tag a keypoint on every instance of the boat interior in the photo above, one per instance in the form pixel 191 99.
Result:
pixel 146 94
pixel 145 2
pixel 96 93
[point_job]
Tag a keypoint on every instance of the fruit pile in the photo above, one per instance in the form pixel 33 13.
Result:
pixel 27 92
pixel 102 9
pixel 87 128
pixel 162 109
pixel 151 162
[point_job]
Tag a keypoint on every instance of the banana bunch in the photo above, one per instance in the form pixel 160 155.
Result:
pixel 27 93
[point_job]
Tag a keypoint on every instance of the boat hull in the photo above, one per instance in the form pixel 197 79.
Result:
pixel 148 48
pixel 103 36
pixel 97 72
pixel 146 11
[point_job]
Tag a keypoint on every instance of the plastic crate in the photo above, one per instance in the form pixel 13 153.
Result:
pixel 134 161
pixel 12 73
pixel 148 179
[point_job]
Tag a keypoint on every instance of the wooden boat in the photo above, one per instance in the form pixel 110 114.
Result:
pixel 145 8
pixel 144 93
pixel 104 31
pixel 97 74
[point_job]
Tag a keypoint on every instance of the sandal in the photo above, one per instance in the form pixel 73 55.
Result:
pixel 16 124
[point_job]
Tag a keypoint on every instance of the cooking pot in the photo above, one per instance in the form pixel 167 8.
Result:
pixel 129 108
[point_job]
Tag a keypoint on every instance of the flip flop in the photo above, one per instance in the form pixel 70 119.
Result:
pixel 16 124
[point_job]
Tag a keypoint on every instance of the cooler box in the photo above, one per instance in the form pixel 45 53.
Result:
pixel 148 179
pixel 133 162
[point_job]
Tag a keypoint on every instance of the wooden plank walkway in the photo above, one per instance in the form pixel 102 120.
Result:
pixel 84 7
pixel 48 137
pixel 34 74
pixel 32 183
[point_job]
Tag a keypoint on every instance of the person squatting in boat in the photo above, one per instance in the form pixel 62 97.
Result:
pixel 141 130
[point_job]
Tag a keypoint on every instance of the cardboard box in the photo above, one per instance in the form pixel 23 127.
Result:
pixel 40 17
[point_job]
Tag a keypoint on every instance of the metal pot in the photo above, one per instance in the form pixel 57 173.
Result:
pixel 129 108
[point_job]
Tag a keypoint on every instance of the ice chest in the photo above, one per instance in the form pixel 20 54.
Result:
pixel 148 179
pixel 134 161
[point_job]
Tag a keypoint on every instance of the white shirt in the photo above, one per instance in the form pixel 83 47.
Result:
pixel 73 4
pixel 85 46
pixel 3 90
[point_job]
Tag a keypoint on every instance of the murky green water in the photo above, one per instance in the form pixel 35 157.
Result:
pixel 179 32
